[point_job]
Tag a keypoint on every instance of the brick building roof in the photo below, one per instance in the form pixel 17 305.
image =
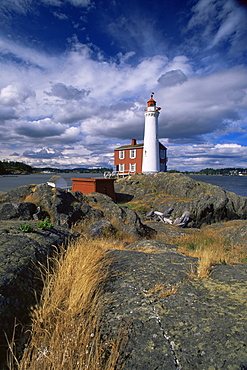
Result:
pixel 129 146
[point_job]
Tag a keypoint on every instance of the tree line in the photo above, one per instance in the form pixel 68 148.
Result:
pixel 228 171
pixel 11 167
pixel 17 168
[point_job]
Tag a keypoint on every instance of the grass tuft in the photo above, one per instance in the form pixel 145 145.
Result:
pixel 210 247
pixel 160 290
pixel 66 323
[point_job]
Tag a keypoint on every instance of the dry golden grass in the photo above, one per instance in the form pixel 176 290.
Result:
pixel 168 292
pixel 210 247
pixel 159 288
pixel 66 323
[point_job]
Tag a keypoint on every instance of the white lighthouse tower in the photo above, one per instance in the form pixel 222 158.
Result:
pixel 151 157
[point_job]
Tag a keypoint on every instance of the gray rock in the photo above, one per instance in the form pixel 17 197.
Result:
pixel 62 207
pixel 66 208
pixel 206 203
pixel 175 321
pixel 21 257
pixel 18 211
pixel 121 218
pixel 99 229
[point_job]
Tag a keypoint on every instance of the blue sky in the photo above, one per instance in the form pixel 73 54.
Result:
pixel 75 76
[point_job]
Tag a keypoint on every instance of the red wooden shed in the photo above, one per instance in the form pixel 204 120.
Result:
pixel 92 185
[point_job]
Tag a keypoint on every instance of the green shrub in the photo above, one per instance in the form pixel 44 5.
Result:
pixel 46 224
pixel 26 228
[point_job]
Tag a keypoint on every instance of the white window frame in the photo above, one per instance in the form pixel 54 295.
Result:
pixel 121 154
pixel 132 153
pixel 132 167
pixel 121 167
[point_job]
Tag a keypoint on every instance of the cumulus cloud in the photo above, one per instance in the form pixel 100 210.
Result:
pixel 67 92
pixel 237 96
pixel 39 129
pixel 202 105
pixel 43 153
pixel 6 113
pixel 72 113
pixel 88 105
pixel 198 156
pixel 13 95
pixel 172 78
pixel 114 108
pixel 70 136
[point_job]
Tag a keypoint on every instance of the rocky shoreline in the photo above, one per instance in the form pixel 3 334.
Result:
pixel 174 320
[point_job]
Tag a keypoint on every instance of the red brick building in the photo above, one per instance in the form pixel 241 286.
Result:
pixel 128 158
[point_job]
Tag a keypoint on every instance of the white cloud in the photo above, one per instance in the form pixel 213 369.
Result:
pixel 13 95
pixel 82 3
pixel 87 106
pixel 20 6
pixel 197 157
pixel 43 153
pixel 67 92
pixel 137 32
pixel 172 78
pixel 39 129
pixel 28 57
pixel 203 105
pixel 216 21
pixel 6 113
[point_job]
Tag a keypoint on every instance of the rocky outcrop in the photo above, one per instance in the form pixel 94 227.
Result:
pixel 63 208
pixel 206 203
pixel 19 211
pixel 66 208
pixel 100 229
pixel 122 218
pixel 21 257
pixel 170 319
pixel 22 253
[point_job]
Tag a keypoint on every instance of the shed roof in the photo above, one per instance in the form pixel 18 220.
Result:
pixel 54 178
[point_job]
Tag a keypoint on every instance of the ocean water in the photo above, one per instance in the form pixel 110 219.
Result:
pixel 8 182
pixel 236 184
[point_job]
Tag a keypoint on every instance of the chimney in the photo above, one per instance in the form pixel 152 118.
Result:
pixel 133 142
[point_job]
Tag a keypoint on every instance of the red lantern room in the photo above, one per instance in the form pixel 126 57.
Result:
pixel 151 102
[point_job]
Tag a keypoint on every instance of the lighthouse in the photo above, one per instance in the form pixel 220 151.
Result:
pixel 151 157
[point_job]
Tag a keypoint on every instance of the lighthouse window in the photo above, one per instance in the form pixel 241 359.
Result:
pixel 121 154
pixel 132 153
